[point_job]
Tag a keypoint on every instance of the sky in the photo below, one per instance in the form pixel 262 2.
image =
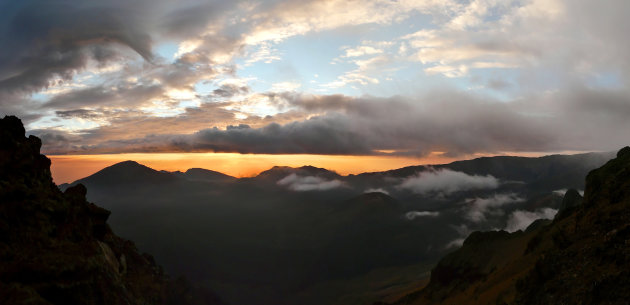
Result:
pixel 388 79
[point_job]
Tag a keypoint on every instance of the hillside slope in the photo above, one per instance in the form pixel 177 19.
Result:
pixel 57 248
pixel 582 257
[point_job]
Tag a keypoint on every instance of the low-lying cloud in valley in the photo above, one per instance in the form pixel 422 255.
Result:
pixel 561 192
pixel 299 183
pixel 411 215
pixel 478 208
pixel 376 190
pixel 520 220
pixel 446 181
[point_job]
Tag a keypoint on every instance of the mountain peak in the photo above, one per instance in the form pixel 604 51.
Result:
pixel 201 174
pixel 624 152
pixel 609 184
pixel 307 170
pixel 126 172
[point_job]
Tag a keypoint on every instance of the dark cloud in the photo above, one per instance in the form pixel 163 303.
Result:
pixel 498 84
pixel 229 90
pixel 58 141
pixel 78 113
pixel 43 39
pixel 321 135
pixel 102 96
pixel 192 17
pixel 454 123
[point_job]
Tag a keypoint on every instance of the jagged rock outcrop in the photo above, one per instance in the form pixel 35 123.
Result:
pixel 56 248
pixel 571 200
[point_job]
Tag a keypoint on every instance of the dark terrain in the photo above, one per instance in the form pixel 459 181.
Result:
pixel 341 240
pixel 581 257
pixel 310 236
pixel 57 248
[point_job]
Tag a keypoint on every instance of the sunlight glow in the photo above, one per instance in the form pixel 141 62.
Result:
pixel 68 168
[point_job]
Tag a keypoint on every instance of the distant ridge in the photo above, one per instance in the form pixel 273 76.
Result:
pixel 200 174
pixel 282 171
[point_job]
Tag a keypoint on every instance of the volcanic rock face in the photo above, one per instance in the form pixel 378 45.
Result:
pixel 582 257
pixel 56 248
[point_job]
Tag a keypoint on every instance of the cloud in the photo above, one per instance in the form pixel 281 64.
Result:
pixel 230 90
pixel 445 181
pixel 57 141
pixel 376 190
pixel 58 38
pixel 456 243
pixel 455 123
pixel 479 208
pixel 561 192
pixel 463 231
pixel 520 220
pixel 102 63
pixel 299 183
pixel 319 135
pixel 361 51
pixel 415 214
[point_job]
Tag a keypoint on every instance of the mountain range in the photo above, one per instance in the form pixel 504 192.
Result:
pixel 311 236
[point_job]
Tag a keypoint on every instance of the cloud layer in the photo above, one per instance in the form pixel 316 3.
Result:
pixel 411 215
pixel 520 220
pixel 299 183
pixel 446 181
pixel 465 77
pixel 478 208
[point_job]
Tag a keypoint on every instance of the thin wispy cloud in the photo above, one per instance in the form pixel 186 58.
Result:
pixel 411 215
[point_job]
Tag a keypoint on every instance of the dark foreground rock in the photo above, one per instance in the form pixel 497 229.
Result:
pixel 57 248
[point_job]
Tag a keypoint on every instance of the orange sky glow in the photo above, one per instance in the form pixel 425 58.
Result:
pixel 68 168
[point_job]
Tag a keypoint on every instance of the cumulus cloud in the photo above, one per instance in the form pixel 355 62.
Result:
pixel 479 208
pixel 520 220
pixel 299 183
pixel 411 215
pixel 446 181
